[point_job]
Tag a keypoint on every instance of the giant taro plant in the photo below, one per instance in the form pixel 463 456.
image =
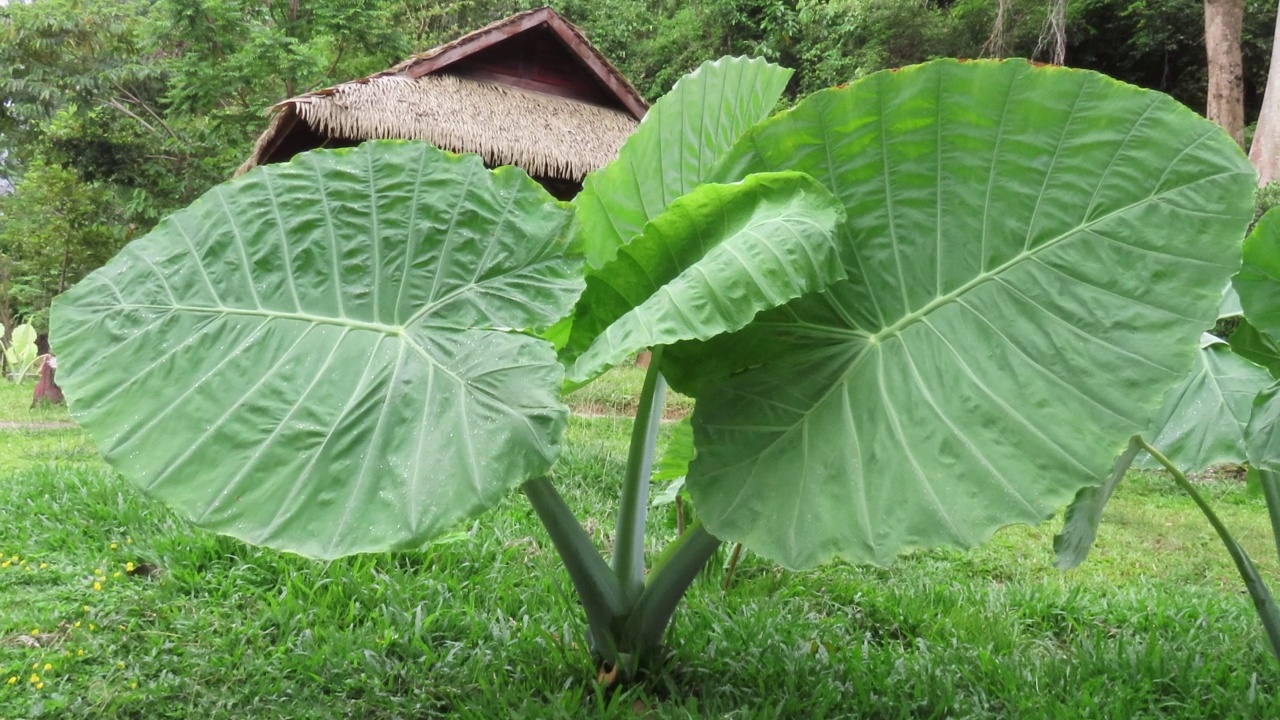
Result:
pixel 912 310
pixel 1225 410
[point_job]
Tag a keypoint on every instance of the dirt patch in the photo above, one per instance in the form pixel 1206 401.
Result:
pixel 598 409
pixel 52 425
pixel 1229 472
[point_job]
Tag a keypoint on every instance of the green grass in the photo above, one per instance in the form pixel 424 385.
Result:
pixel 483 625
pixel 15 405
pixel 615 393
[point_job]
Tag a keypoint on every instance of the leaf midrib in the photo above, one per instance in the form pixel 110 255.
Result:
pixel 930 307
pixel 875 340
pixel 340 321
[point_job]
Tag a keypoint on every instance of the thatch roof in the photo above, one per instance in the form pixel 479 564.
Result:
pixel 546 135
pixel 459 106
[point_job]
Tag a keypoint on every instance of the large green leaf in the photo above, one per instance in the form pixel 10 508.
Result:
pixel 1258 287
pixel 707 265
pixel 1259 278
pixel 326 356
pixel 1203 418
pixel 674 149
pixel 1257 347
pixel 1034 253
pixel 1263 441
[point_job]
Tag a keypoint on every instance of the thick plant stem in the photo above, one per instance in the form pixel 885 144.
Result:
pixel 667 585
pixel 633 505
pixel 598 589
pixel 1270 482
pixel 1263 602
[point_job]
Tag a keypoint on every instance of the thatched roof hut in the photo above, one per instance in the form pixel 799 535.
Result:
pixel 529 91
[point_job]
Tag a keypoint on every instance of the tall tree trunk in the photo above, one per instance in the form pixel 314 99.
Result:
pixel 1223 23
pixel 1265 151
pixel 1053 34
pixel 995 46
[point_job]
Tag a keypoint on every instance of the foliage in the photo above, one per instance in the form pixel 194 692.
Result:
pixel 20 354
pixel 154 102
pixel 911 308
pixel 52 232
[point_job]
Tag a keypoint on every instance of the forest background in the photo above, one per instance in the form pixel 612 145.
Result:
pixel 114 113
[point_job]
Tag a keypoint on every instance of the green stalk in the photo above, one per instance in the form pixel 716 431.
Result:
pixel 598 589
pixel 633 505
pixel 668 583
pixel 1270 482
pixel 1263 602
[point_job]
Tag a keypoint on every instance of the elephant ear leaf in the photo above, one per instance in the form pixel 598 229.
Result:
pixel 1256 346
pixel 1259 287
pixel 707 265
pixel 674 149
pixel 1032 252
pixel 1203 418
pixel 328 356
pixel 1263 439
pixel 1259 278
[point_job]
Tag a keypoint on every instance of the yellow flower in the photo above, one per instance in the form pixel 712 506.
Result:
pixel 5 564
pixel 80 652
pixel 133 685
pixel 35 632
pixel 129 540
pixel 97 585
pixel 77 624
pixel 98 571
pixel 114 546
pixel 34 678
pixel 13 679
pixel 92 626
pixel 48 667
pixel 35 666
pixel 115 574
pixel 44 565
pixel 120 665
pixel 40 686
pixel 129 566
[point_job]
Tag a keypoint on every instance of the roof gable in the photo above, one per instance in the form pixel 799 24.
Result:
pixel 537 46
pixel 528 90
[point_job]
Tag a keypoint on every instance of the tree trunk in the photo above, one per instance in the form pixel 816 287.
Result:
pixel 1265 151
pixel 1223 23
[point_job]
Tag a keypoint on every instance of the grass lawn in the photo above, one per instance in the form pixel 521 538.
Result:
pixel 110 607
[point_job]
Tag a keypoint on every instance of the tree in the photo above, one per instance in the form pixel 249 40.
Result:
pixel 52 233
pixel 1265 150
pixel 1223 25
